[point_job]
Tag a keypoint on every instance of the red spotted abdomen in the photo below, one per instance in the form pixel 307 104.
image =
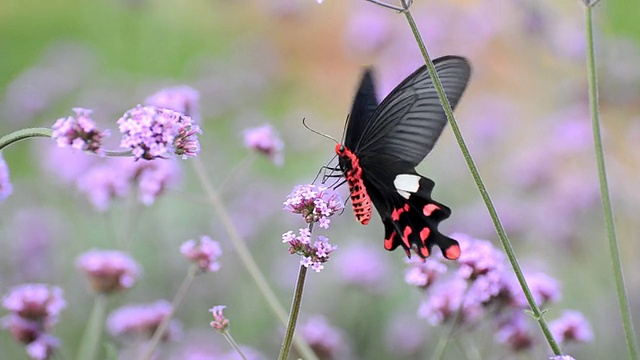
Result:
pixel 359 199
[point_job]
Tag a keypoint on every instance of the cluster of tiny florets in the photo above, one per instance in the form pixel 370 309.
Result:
pixel 315 203
pixel 79 132
pixel 313 254
pixel 153 132
pixel 204 253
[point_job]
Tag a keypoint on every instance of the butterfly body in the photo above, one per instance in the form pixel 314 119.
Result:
pixel 385 142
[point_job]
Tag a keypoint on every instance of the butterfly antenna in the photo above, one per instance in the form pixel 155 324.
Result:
pixel 346 123
pixel 304 122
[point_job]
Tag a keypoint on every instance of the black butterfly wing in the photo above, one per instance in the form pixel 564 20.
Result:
pixel 364 105
pixel 410 119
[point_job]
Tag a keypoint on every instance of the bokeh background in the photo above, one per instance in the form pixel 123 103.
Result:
pixel 525 118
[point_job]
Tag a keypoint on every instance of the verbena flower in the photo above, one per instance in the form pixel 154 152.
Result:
pixel 153 132
pixel 544 289
pixel 265 140
pixel 446 299
pixel 205 253
pixel 314 203
pixel 423 273
pixel 141 321
pixel 109 270
pixel 571 326
pixel 326 340
pixel 103 183
pixel 515 332
pixel 79 132
pixel 153 178
pixel 183 99
pixel 313 254
pixel 5 185
pixel 219 322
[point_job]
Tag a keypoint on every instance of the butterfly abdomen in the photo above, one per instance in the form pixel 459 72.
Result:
pixel 360 199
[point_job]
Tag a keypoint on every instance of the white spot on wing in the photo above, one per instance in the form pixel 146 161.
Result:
pixel 407 184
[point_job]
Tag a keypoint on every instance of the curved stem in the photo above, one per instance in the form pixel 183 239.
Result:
pixel 536 312
pixel 623 301
pixel 247 259
pixel 92 334
pixel 23 134
pixel 175 304
pixel 293 314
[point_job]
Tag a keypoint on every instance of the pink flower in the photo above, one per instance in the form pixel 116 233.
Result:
pixel 152 177
pixel 141 320
pixel 183 99
pixel 5 185
pixel 515 333
pixel 314 203
pixel 219 322
pixel 571 326
pixel 325 340
pixel 109 270
pixel 153 132
pixel 204 253
pixel 35 302
pixel 423 273
pixel 79 132
pixel 265 140
pixel 103 183
pixel 313 255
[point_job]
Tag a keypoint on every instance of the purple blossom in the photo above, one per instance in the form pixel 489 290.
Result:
pixel 42 347
pixel 313 255
pixel 153 132
pixel 5 184
pixel 204 253
pixel 79 132
pixel 571 326
pixel 313 203
pixel 264 139
pixel 183 99
pixel 219 322
pixel 141 320
pixel 325 340
pixel 479 257
pixel 423 273
pixel 446 300
pixel 109 270
pixel 35 302
pixel 544 288
pixel 102 184
pixel 152 177
pixel 515 333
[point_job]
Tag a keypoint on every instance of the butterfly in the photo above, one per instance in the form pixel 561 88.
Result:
pixel 384 143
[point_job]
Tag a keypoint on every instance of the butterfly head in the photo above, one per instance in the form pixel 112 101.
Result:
pixel 340 149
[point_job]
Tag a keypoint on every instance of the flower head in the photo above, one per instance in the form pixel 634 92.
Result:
pixel 204 253
pixel 544 288
pixel 571 326
pixel 264 139
pixel 153 132
pixel 446 299
pixel 423 274
pixel 102 183
pixel 35 302
pixel 314 203
pixel 109 270
pixel 5 185
pixel 79 132
pixel 515 333
pixel 313 255
pixel 183 99
pixel 219 322
pixel 152 177
pixel 141 320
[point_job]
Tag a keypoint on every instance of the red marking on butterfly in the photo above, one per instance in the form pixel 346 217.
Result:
pixel 387 140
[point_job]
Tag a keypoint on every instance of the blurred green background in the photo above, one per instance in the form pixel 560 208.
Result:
pixel 276 61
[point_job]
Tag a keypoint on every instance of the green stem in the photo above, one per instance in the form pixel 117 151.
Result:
pixel 234 345
pixel 604 191
pixel 247 259
pixel 23 134
pixel 293 314
pixel 92 334
pixel 175 304
pixel 536 312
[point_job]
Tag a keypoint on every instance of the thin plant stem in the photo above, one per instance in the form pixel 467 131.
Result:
pixel 623 301
pixel 247 259
pixel 175 304
pixel 234 345
pixel 502 235
pixel 293 314
pixel 93 332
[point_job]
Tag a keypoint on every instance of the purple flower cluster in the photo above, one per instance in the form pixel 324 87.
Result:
pixel 325 340
pixel 153 132
pixel 315 203
pixel 219 322
pixel 5 185
pixel 79 132
pixel 109 270
pixel 481 284
pixel 313 255
pixel 204 253
pixel 140 321
pixel 264 139
pixel 183 99
pixel 33 310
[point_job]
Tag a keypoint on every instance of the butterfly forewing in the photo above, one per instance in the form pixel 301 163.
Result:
pixel 410 119
pixel 364 105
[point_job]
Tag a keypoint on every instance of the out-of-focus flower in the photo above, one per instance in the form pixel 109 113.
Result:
pixel 219 322
pixel 63 164
pixel 109 270
pixel 142 320
pixel 153 177
pixel 325 340
pixel 571 326
pixel 314 203
pixel 446 300
pixel 264 139
pixel 313 255
pixel 423 273
pixel 42 347
pixel 515 333
pixel 544 288
pixel 103 183
pixel 204 253
pixel 153 132
pixel 368 31
pixel 363 266
pixel 79 132
pixel 183 99
pixel 5 184
pixel 35 302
